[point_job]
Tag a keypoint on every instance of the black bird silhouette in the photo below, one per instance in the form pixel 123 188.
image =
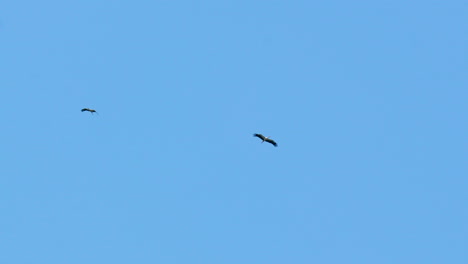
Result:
pixel 263 138
pixel 92 111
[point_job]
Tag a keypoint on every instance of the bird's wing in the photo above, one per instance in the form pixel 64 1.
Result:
pixel 271 141
pixel 259 136
pixel 84 109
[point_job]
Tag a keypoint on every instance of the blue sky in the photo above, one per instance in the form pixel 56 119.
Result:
pixel 366 99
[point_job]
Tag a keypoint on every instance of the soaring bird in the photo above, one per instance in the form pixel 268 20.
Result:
pixel 263 138
pixel 92 111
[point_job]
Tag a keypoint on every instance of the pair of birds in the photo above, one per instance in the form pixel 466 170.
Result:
pixel 260 136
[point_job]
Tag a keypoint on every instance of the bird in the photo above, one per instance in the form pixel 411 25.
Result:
pixel 267 139
pixel 92 111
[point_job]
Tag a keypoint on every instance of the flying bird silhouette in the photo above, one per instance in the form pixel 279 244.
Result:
pixel 92 111
pixel 267 139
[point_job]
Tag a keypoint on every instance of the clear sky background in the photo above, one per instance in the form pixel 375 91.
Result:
pixel 366 99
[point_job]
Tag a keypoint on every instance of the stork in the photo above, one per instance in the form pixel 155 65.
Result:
pixel 92 111
pixel 267 139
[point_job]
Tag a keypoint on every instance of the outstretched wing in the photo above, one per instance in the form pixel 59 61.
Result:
pixel 84 109
pixel 260 136
pixel 271 141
